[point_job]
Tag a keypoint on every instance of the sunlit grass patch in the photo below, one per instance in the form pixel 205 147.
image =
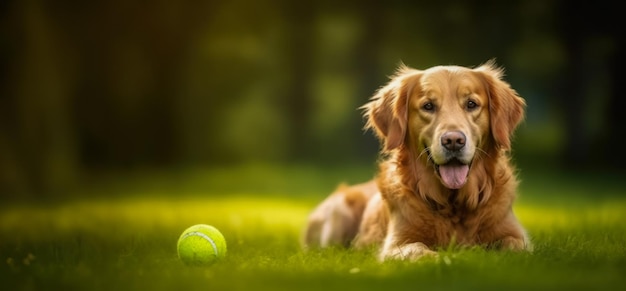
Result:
pixel 114 218
pixel 572 217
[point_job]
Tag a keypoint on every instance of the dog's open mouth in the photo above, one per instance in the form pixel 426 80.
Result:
pixel 453 174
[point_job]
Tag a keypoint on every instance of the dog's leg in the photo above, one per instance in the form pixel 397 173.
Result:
pixel 336 220
pixel 397 248
pixel 339 227
pixel 331 223
pixel 510 235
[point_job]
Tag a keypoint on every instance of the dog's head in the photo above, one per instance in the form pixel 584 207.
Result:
pixel 448 115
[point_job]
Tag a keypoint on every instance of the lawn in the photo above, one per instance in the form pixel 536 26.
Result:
pixel 120 234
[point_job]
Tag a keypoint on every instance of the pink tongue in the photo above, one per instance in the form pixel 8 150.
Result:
pixel 454 176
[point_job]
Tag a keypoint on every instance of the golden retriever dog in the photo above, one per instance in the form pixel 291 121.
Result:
pixel 445 175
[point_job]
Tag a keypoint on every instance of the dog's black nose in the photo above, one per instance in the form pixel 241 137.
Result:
pixel 453 140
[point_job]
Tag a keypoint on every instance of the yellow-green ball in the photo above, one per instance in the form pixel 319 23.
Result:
pixel 201 244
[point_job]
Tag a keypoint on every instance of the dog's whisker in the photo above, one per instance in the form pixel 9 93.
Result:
pixel 481 151
pixel 426 151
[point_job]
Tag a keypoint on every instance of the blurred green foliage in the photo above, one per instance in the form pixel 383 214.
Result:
pixel 123 85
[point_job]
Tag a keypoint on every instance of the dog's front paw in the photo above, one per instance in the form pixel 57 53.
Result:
pixel 514 244
pixel 411 252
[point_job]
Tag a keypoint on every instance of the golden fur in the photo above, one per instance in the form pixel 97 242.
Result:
pixel 445 175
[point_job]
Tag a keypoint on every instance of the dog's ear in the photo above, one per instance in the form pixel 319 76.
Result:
pixel 506 107
pixel 387 111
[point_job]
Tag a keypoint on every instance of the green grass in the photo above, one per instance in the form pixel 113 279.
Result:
pixel 127 240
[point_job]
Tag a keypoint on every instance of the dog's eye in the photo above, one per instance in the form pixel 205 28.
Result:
pixel 429 107
pixel 471 105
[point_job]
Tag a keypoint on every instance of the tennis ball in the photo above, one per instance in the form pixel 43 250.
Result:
pixel 201 244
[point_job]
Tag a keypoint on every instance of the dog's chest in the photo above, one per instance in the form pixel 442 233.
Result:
pixel 455 215
pixel 455 222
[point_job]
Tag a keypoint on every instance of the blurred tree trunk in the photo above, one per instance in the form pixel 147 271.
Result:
pixel 582 146
pixel 614 136
pixel 572 89
pixel 37 142
pixel 298 98
pixel 369 73
pixel 127 99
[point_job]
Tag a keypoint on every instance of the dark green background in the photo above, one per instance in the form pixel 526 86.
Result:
pixel 112 87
